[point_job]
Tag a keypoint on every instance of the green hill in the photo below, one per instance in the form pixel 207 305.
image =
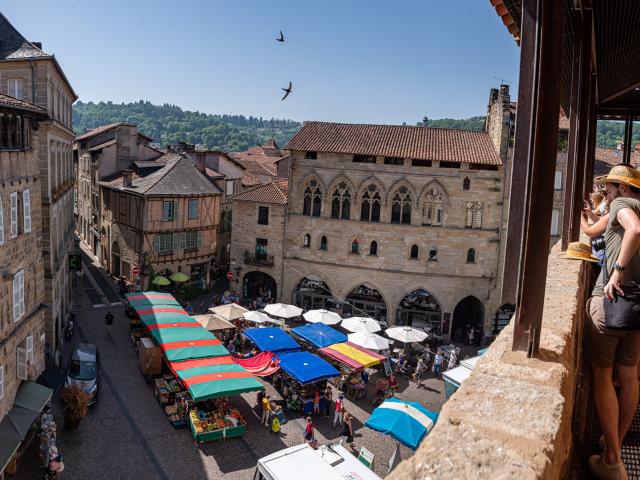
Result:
pixel 168 124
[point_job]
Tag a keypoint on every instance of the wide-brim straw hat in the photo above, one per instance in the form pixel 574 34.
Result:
pixel 600 180
pixel 625 175
pixel 579 251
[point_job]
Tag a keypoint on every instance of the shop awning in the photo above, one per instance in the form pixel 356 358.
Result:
pixel 215 377
pixel 150 315
pixel 271 339
pixel 305 367
pixel 32 396
pixel 353 355
pixel 193 349
pixel 262 365
pixel 319 334
pixel 150 298
pixel 182 334
pixel 9 445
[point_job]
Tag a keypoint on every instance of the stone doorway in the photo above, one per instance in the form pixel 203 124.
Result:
pixel 468 315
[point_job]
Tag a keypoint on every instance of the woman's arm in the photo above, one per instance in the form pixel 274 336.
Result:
pixel 597 228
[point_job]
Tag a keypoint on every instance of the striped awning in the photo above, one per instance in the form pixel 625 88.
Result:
pixel 353 355
pixel 151 298
pixel 214 377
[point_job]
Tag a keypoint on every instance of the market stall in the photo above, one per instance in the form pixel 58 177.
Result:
pixel 271 339
pixel 262 365
pixel 319 335
pixel 353 359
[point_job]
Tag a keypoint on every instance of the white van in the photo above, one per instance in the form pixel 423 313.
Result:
pixel 328 462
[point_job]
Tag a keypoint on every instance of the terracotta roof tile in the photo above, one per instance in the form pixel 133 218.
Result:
pixel 612 156
pixel 12 102
pixel 98 131
pixel 276 192
pixel 425 143
pixel 563 124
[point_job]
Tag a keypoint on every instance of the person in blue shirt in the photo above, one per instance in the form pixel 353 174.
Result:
pixel 365 379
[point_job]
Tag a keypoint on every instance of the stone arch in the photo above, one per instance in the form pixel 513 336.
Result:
pixel 314 175
pixel 400 183
pixel 468 314
pixel 259 285
pixel 342 178
pixel 359 308
pixel 313 292
pixel 402 203
pixel 420 308
pixel 312 186
pixel 428 188
pixel 350 194
pixel 433 204
pixel 365 184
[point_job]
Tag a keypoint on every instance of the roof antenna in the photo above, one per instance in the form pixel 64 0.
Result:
pixel 502 80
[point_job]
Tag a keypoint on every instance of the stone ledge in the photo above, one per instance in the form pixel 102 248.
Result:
pixel 512 417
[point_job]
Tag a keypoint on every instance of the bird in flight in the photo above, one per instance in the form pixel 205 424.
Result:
pixel 281 39
pixel 287 91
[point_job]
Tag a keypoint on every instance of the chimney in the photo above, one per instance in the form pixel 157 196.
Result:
pixel 498 120
pixel 493 96
pixel 127 177
pixel 37 45
pixel 200 162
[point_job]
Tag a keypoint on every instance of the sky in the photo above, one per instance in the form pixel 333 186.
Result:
pixel 373 61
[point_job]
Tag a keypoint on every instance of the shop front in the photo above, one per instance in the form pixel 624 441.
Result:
pixel 313 294
pixel 363 301
pixel 259 286
pixel 200 274
pixel 420 310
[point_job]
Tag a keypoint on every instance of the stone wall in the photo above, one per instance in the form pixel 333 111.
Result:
pixel 512 417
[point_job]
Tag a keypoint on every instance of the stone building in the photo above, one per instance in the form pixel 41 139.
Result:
pixel 28 73
pixel 162 218
pixel 22 288
pixel 103 152
pixel 404 224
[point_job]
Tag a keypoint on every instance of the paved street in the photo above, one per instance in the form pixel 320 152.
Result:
pixel 126 435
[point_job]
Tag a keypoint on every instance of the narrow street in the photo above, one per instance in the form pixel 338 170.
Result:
pixel 126 434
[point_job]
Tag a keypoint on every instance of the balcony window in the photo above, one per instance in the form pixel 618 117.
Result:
pixel 261 249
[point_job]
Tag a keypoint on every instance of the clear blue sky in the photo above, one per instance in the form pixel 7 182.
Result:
pixel 374 61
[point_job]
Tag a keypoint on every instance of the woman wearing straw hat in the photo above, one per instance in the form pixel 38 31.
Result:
pixel 607 347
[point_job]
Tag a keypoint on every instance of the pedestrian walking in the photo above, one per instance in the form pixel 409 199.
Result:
pixel 316 402
pixel 308 430
pixel 365 380
pixel 108 319
pixel 437 365
pixel 347 429
pixel 266 411
pixel 419 372
pixel 619 347
pixel 339 407
pixel 328 396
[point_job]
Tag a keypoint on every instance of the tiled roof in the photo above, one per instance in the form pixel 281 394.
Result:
pixel 250 180
pixel 12 102
pixel 258 167
pixel 276 192
pixel 108 143
pixel 612 156
pixel 98 131
pixel 439 144
pixel 178 176
pixel 13 45
pixel 211 173
pixel 563 124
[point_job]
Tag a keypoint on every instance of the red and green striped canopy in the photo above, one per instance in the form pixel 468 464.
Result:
pixel 193 349
pixel 163 314
pixel 215 377
pixel 151 298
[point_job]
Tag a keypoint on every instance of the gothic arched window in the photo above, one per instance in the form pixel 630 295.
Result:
pixel 401 206
pixel 307 240
pixel 466 184
pixel 370 204
pixel 471 256
pixel 341 202
pixel 433 209
pixel 312 199
pixel 373 248
pixel 414 252
pixel 355 246
pixel 323 243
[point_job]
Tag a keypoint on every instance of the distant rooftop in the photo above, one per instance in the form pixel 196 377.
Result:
pixel 276 191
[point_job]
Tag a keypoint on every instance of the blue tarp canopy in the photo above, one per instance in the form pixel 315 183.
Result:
pixel 305 367
pixel 320 335
pixel 271 339
pixel 408 422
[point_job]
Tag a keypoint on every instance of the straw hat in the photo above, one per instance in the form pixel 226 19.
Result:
pixel 625 175
pixel 600 180
pixel 579 251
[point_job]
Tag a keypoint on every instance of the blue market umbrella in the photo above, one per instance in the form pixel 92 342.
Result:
pixel 407 422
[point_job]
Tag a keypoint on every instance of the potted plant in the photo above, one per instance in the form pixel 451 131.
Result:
pixel 76 405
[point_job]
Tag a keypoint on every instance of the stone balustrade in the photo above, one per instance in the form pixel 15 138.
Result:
pixel 512 418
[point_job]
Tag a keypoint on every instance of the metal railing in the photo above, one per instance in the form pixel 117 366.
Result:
pixel 262 259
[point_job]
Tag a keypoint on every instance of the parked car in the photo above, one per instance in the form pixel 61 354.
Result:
pixel 84 369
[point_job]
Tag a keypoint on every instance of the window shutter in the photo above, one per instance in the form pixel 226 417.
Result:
pixel 554 222
pixel 26 206
pixel 156 243
pixel 165 211
pixel 21 363
pixel 1 381
pixel 29 345
pixel 183 240
pixel 199 238
pixel 13 202
pixel 21 294
pixel 176 240
pixel 16 297
pixel 1 224
pixel 558 180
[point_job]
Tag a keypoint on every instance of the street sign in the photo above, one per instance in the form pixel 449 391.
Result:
pixel 75 262
pixel 135 271
pixel 229 275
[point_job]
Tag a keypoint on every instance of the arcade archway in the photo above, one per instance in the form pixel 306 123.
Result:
pixel 312 293
pixel 420 309
pixel 259 286
pixel 365 300
pixel 468 316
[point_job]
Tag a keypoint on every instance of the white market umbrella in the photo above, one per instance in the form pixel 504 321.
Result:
pixel 406 334
pixel 231 311
pixel 369 340
pixel 361 324
pixel 212 322
pixel 282 310
pixel 257 317
pixel 322 316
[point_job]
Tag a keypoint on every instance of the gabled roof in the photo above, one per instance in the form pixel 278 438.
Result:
pixel 8 101
pixel 613 156
pixel 102 145
pixel 178 176
pixel 105 128
pixel 424 143
pixel 276 192
pixel 258 167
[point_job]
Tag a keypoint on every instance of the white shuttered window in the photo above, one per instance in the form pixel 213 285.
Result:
pixel 21 363
pixel 29 345
pixel 13 204
pixel 26 207
pixel 18 296
pixel 554 222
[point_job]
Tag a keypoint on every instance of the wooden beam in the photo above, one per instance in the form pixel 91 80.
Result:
pixel 546 19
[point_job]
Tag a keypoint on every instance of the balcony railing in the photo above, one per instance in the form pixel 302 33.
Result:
pixel 260 260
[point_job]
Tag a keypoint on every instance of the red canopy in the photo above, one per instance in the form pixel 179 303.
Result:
pixel 261 365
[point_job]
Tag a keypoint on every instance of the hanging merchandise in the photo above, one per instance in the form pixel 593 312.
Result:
pixel 216 419
pixel 47 435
